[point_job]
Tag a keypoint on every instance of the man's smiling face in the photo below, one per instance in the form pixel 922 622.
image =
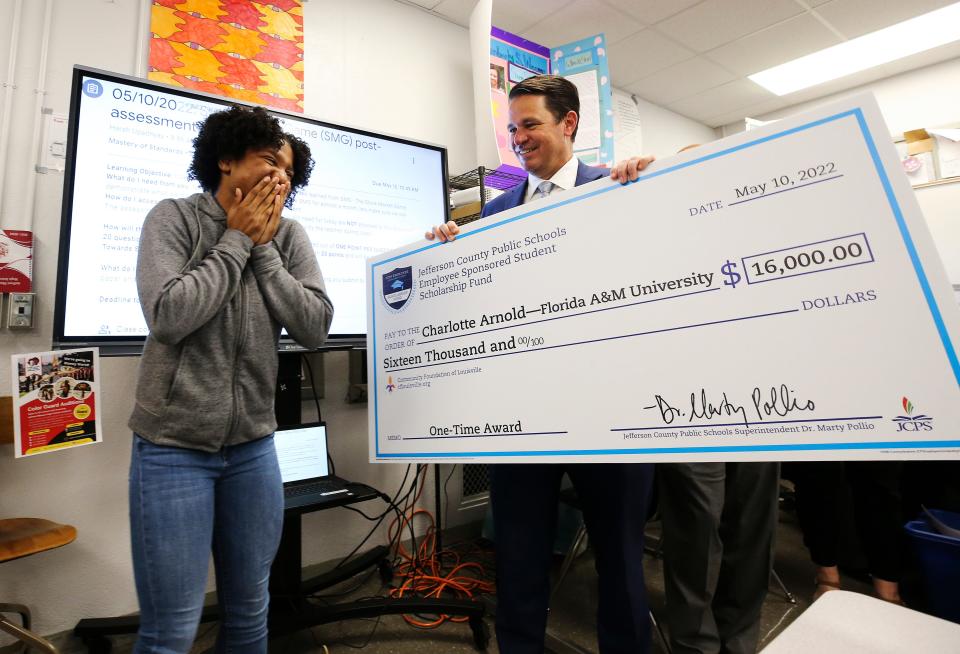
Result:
pixel 541 142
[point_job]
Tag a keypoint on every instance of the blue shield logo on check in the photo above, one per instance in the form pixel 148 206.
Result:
pixel 398 287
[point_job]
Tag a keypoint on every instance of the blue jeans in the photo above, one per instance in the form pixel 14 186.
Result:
pixel 185 503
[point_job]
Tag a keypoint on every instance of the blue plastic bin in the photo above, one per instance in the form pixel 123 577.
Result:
pixel 939 559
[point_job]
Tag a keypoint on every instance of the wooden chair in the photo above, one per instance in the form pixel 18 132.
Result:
pixel 20 537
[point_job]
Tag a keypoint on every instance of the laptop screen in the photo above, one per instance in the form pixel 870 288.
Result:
pixel 302 451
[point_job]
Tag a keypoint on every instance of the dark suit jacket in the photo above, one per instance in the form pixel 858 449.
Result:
pixel 514 196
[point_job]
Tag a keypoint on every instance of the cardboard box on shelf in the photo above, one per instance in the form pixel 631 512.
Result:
pixel 464 211
pixel 919 162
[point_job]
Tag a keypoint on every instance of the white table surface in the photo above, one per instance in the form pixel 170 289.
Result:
pixel 841 622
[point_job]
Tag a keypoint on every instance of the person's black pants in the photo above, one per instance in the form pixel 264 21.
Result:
pixel 614 499
pixel 877 511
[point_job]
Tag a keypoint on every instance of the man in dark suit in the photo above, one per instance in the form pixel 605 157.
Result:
pixel 544 115
pixel 517 195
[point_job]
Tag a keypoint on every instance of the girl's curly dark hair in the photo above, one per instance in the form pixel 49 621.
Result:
pixel 228 135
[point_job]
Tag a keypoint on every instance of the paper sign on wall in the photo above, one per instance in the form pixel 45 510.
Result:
pixel 584 63
pixel 16 261
pixel 55 400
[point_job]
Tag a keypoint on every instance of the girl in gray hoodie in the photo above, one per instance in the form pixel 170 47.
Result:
pixel 219 274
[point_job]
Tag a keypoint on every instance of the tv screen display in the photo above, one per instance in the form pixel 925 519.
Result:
pixel 129 146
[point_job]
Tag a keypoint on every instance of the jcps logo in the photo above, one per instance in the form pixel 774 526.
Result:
pixel 911 422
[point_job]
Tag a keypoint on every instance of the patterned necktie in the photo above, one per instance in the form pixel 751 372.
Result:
pixel 544 189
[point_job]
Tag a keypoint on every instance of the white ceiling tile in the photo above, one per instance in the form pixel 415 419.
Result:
pixel 775 45
pixel 651 11
pixel 516 17
pixel 715 22
pixel 840 87
pixel 698 113
pixel 579 20
pixel 733 37
pixel 851 82
pixel 857 17
pixel 721 99
pixel 457 10
pixel 641 55
pixel 753 111
pixel 920 60
pixel 680 81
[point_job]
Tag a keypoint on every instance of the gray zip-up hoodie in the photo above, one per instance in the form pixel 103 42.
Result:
pixel 214 305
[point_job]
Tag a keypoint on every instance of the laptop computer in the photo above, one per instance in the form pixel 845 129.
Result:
pixel 304 466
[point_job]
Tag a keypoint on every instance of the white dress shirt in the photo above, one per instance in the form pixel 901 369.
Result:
pixel 563 180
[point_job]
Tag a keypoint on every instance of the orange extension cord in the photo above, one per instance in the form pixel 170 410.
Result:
pixel 422 572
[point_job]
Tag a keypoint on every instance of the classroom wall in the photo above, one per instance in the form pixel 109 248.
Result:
pixel 665 132
pixel 376 64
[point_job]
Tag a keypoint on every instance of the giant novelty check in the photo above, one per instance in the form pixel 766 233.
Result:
pixel 775 295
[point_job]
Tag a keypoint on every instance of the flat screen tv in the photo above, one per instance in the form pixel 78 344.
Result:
pixel 129 145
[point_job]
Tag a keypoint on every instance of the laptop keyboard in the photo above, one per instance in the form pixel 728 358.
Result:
pixel 316 487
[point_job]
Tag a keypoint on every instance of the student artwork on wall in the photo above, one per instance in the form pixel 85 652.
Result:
pixel 584 63
pixel 627 132
pixel 237 48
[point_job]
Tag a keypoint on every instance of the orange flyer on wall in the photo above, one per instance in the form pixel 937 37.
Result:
pixel 55 400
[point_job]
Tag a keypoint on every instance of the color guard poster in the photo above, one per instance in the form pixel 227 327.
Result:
pixel 55 404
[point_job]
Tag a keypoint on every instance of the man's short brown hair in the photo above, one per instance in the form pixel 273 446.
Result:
pixel 560 95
